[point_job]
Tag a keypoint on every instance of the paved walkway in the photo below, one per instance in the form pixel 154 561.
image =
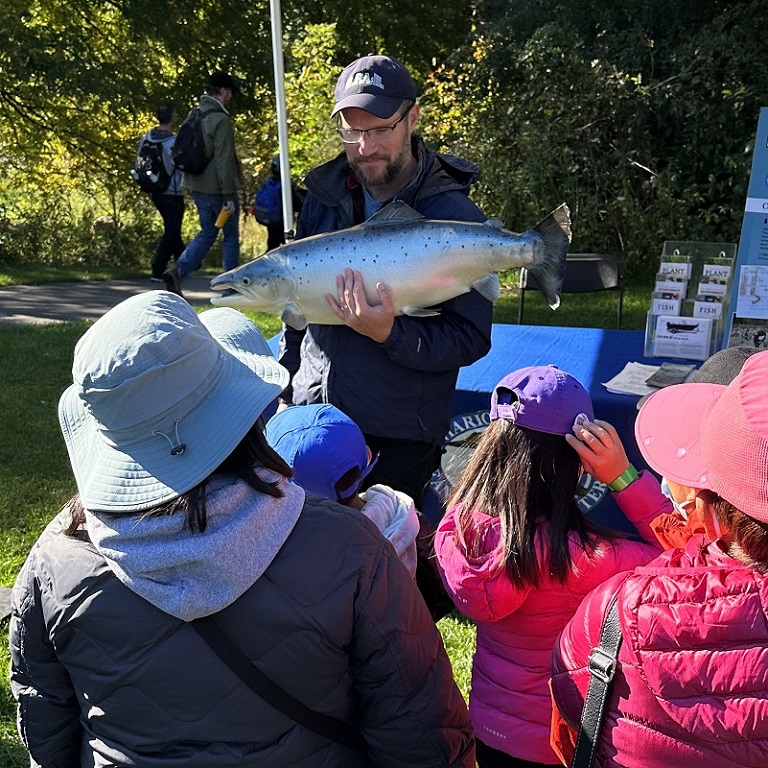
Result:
pixel 62 302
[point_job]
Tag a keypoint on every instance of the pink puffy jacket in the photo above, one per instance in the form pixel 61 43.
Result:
pixel 691 690
pixel 510 705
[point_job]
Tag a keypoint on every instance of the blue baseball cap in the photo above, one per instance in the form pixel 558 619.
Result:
pixel 322 444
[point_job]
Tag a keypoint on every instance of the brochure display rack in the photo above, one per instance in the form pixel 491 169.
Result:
pixel 689 304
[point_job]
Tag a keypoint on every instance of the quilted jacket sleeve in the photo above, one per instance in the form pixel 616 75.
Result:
pixel 48 713
pixel 411 712
pixel 479 586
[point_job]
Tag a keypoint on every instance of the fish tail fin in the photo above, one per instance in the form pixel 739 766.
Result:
pixel 548 267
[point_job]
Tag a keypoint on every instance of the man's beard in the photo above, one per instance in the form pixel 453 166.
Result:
pixel 371 178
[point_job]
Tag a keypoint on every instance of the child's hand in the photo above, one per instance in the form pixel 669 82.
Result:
pixel 600 449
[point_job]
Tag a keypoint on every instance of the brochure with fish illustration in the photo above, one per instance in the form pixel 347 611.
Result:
pixel 685 337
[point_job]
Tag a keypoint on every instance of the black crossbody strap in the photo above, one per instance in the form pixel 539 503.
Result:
pixel 602 667
pixel 273 694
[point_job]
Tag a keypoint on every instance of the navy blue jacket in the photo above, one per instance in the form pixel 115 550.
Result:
pixel 403 388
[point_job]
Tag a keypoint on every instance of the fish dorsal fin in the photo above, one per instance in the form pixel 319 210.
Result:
pixel 494 223
pixel 393 213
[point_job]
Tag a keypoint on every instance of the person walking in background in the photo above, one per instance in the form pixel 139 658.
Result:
pixel 517 555
pixel 214 189
pixel 168 197
pixel 691 681
pixel 268 205
pixel 393 376
pixel 185 519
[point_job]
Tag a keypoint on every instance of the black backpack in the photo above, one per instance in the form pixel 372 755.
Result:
pixel 189 150
pixel 149 170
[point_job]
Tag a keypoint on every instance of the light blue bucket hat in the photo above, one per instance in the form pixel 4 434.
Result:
pixel 160 398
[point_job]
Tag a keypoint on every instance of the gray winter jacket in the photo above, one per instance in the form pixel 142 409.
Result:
pixel 105 678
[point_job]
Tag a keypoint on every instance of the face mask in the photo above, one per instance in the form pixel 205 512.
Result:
pixel 680 508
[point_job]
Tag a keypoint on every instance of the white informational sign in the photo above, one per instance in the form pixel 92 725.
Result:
pixel 752 297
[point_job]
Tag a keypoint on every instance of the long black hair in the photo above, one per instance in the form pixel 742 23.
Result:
pixel 251 453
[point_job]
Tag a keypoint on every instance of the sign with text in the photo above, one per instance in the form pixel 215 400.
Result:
pixel 748 299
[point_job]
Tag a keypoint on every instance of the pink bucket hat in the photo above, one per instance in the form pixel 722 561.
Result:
pixel 734 440
pixel 713 436
pixel 668 429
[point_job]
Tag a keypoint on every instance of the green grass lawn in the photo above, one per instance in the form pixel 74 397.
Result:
pixel 34 471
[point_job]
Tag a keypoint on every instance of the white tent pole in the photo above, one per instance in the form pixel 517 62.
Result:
pixel 275 14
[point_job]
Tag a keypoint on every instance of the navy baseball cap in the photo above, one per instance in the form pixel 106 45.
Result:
pixel 322 444
pixel 375 84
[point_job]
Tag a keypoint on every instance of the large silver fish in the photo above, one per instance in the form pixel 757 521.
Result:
pixel 423 261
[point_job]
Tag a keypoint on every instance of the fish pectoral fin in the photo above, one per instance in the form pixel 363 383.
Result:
pixel 420 312
pixel 488 287
pixel 293 317
pixel 396 211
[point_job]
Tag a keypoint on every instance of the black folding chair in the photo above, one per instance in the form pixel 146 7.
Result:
pixel 584 273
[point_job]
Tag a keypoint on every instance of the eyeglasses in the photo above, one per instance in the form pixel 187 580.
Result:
pixel 352 136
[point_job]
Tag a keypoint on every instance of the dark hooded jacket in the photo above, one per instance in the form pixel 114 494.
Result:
pixel 106 677
pixel 403 388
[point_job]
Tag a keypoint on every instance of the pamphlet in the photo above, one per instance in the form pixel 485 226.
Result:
pixel 631 380
pixel 671 373
pixel 686 337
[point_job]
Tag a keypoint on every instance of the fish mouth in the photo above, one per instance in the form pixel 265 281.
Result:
pixel 228 296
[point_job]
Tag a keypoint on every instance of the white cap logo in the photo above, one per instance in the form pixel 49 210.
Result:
pixel 364 79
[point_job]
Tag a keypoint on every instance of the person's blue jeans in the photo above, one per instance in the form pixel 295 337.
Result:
pixel 208 209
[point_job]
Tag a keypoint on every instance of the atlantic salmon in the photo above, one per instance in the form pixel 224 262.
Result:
pixel 424 262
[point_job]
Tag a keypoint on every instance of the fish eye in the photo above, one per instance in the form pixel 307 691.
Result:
pixel 246 281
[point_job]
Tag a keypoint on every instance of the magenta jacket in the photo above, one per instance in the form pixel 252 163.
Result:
pixel 510 705
pixel 691 689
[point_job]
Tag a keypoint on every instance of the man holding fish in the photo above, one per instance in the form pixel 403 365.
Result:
pixel 394 375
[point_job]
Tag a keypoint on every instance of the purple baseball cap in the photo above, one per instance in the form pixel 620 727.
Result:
pixel 322 444
pixel 376 84
pixel 542 398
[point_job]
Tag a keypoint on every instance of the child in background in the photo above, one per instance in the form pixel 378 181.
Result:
pixel 517 556
pixel 329 457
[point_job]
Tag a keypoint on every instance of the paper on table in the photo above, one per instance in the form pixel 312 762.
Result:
pixel 631 380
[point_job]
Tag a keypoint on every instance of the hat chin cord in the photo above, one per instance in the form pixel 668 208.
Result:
pixel 177 448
